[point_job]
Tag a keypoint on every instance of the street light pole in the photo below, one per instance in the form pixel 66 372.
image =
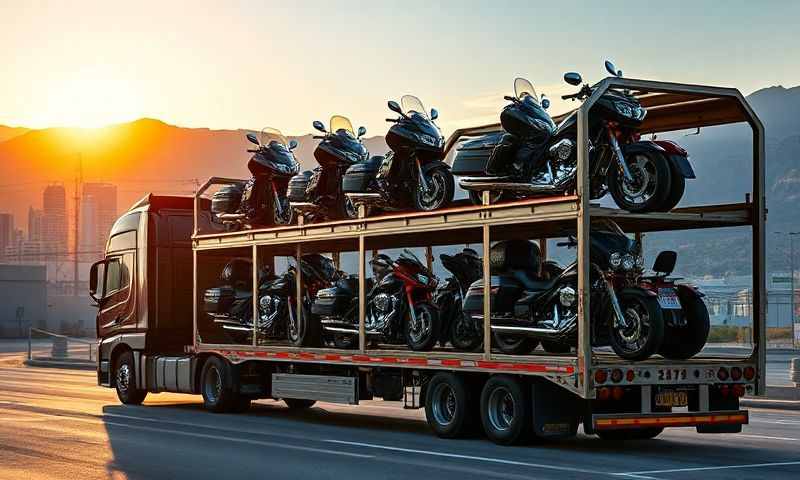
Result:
pixel 791 236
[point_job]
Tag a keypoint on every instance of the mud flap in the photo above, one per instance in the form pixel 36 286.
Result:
pixel 555 410
pixel 717 403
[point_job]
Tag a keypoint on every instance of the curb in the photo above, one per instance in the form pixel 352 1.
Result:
pixel 71 364
pixel 770 403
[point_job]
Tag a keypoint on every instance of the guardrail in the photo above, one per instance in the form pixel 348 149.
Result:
pixel 63 348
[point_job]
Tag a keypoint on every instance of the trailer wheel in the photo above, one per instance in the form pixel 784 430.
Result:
pixel 298 403
pixel 125 380
pixel 630 434
pixel 449 405
pixel 217 397
pixel 506 410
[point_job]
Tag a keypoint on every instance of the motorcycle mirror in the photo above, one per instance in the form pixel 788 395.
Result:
pixel 573 78
pixel 361 132
pixel 252 138
pixel 319 126
pixel 292 144
pixel 395 107
pixel 610 68
pixel 434 114
pixel 545 102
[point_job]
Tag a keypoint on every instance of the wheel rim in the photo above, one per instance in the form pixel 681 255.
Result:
pixel 444 404
pixel 350 208
pixel 433 197
pixel 212 387
pixel 634 334
pixel 463 334
pixel 645 179
pixel 123 377
pixel 501 409
pixel 295 327
pixel 420 329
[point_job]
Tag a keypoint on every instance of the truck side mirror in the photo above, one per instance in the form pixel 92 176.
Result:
pixel 93 280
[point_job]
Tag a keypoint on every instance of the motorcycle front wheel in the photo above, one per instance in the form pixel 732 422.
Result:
pixel 649 189
pixel 463 336
pixel 642 330
pixel 304 331
pixel 422 330
pixel 440 191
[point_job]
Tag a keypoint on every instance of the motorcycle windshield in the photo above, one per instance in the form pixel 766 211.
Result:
pixel 411 105
pixel 269 135
pixel 523 88
pixel 339 122
pixel 409 256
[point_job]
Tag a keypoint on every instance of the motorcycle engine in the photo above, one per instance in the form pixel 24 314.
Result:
pixel 383 308
pixel 268 307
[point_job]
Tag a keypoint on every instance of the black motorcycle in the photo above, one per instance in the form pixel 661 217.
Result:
pixel 458 329
pixel 399 307
pixel 262 200
pixel 412 174
pixel 527 309
pixel 230 306
pixel 318 194
pixel 534 157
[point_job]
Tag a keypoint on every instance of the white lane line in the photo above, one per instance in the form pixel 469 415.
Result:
pixel 767 437
pixel 463 457
pixel 701 469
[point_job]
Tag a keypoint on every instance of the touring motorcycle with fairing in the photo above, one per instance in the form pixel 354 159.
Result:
pixel 230 306
pixel 533 156
pixel 466 267
pixel 399 306
pixel 318 194
pixel 413 174
pixel 262 200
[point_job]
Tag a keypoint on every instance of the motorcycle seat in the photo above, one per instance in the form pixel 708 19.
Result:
pixel 532 283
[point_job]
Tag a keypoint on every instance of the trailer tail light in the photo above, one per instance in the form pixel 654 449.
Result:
pixel 617 393
pixel 722 374
pixel 630 375
pixel 604 393
pixel 724 390
pixel 616 375
pixel 600 376
pixel 736 374
pixel 738 390
pixel 749 373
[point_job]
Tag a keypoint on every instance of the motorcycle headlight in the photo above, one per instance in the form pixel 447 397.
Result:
pixel 640 113
pixel 615 260
pixel 624 109
pixel 428 139
pixel 640 261
pixel 628 262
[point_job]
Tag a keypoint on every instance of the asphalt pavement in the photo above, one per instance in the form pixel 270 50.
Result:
pixel 57 424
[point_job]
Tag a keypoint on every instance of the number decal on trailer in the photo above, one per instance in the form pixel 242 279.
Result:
pixel 671 374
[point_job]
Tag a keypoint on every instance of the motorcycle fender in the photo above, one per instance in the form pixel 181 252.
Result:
pixel 676 155
pixel 684 289
pixel 434 165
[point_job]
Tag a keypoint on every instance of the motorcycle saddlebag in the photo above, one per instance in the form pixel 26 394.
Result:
pixel 505 292
pixel 332 302
pixel 227 199
pixel 218 299
pixel 473 155
pixel 297 186
pixel 358 177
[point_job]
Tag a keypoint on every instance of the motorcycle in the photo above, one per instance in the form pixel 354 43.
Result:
pixel 399 308
pixel 230 306
pixel 626 313
pixel 413 174
pixel 466 267
pixel 536 157
pixel 261 201
pixel 318 194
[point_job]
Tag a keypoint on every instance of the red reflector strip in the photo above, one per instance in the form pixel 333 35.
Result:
pixel 412 361
pixel 670 421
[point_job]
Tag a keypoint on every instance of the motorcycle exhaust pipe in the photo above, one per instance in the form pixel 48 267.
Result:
pixel 340 330
pixel 479 184
pixel 364 197
pixel 304 207
pixel 231 216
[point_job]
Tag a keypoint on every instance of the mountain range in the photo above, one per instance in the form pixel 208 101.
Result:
pixel 150 155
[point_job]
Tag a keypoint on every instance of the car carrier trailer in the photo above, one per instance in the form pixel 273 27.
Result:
pixel 152 337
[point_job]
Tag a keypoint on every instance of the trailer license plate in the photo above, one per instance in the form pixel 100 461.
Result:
pixel 668 299
pixel 672 398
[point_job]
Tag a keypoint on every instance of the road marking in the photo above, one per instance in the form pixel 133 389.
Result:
pixel 767 437
pixel 701 469
pixel 463 457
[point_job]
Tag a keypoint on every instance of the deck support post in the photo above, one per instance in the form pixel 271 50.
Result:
pixel 362 292
pixel 584 282
pixel 487 289
pixel 255 294
pixel 299 298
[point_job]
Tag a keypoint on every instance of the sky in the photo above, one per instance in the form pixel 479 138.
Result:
pixel 284 64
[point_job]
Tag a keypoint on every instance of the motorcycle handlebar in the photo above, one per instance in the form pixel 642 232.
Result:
pixel 318 137
pixel 252 150
pixel 567 97
pixel 392 120
pixel 509 98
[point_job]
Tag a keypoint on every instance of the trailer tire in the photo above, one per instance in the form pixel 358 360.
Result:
pixel 125 380
pixel 449 405
pixel 506 410
pixel 218 397
pixel 630 434
pixel 298 403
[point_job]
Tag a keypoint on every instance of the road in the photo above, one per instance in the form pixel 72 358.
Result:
pixel 56 424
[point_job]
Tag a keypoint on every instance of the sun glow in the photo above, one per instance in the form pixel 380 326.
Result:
pixel 91 98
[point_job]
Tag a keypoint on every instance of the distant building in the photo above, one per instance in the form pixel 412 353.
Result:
pixel 23 299
pixel 98 213
pixel 6 233
pixel 34 224
pixel 54 219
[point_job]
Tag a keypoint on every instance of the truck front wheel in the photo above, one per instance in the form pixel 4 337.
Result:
pixel 125 380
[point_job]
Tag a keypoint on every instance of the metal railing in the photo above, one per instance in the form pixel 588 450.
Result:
pixel 61 347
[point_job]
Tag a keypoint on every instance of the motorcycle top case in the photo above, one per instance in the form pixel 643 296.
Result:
pixel 297 187
pixel 226 199
pixel 473 155
pixel 358 177
pixel 218 299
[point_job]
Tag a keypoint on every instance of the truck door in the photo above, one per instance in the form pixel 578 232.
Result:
pixel 117 304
